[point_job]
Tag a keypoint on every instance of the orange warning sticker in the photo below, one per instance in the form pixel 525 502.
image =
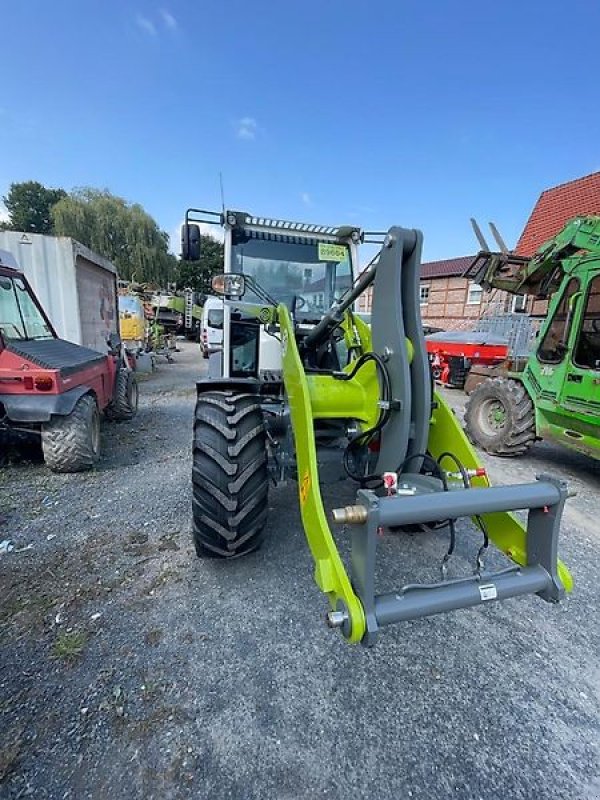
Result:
pixel 304 488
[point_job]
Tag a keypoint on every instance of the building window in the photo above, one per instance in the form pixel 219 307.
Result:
pixel 519 303
pixel 474 294
pixel 423 295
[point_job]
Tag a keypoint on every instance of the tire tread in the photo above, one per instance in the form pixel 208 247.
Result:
pixel 229 474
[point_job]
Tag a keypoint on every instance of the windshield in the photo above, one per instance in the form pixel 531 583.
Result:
pixel 314 272
pixel 20 318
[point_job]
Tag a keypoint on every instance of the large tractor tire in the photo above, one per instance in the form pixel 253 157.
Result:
pixel 229 477
pixel 72 443
pixel 124 404
pixel 500 417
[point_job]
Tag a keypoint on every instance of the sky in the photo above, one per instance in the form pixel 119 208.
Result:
pixel 388 112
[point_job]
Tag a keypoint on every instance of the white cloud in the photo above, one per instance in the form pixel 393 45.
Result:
pixel 145 25
pixel 168 19
pixel 215 231
pixel 3 213
pixel 247 128
pixel 306 199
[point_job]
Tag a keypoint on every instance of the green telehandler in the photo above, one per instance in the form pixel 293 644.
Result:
pixel 300 371
pixel 556 393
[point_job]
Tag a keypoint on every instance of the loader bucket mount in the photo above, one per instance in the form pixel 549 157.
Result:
pixel 497 270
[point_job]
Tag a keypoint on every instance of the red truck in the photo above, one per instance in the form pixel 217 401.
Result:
pixel 53 388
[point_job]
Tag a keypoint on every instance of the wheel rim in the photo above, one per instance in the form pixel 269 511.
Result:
pixel 492 416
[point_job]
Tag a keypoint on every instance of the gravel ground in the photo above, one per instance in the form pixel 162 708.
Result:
pixel 130 669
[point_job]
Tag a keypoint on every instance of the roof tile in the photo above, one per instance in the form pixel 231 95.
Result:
pixel 447 268
pixel 557 206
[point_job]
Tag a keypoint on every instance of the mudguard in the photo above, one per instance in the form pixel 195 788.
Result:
pixel 40 408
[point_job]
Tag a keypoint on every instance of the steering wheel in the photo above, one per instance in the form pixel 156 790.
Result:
pixel 298 303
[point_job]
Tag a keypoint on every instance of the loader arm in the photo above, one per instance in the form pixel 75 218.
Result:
pixel 540 275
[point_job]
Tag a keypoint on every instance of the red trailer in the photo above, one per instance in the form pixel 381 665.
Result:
pixel 453 353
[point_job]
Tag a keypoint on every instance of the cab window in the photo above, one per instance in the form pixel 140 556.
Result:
pixel 553 346
pixel 587 350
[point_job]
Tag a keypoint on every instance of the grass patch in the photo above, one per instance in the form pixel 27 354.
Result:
pixel 69 646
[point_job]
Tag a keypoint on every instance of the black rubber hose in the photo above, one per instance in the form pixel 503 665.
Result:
pixel 363 438
pixel 467 485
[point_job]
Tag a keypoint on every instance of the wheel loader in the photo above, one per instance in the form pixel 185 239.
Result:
pixel 301 371
pixel 556 393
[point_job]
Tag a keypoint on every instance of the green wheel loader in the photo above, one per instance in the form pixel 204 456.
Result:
pixel 300 371
pixel 556 393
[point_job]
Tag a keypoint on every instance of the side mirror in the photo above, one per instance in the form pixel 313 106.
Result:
pixel 232 285
pixel 113 342
pixel 190 242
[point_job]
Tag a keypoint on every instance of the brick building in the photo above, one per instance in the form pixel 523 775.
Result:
pixel 452 302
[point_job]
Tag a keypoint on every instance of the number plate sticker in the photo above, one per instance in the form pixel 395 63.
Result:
pixel 332 252
pixel 488 591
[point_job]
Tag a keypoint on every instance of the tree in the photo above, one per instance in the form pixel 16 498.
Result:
pixel 29 205
pixel 198 274
pixel 124 233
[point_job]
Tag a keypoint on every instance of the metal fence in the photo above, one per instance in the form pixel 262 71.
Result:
pixel 518 329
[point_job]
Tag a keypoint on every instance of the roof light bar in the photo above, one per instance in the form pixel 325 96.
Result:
pixel 286 225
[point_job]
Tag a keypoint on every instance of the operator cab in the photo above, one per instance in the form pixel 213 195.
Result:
pixel 21 318
pixel 306 267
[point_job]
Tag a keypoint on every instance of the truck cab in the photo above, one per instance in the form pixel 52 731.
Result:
pixel 564 376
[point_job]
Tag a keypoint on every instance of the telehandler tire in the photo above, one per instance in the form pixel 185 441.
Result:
pixel 229 476
pixel 500 417
pixel 125 401
pixel 72 443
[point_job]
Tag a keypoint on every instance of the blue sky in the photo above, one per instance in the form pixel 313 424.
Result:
pixel 371 113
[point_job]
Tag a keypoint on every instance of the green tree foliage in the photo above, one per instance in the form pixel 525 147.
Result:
pixel 122 232
pixel 29 205
pixel 198 274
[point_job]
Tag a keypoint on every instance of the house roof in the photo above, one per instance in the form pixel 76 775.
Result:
pixel 557 206
pixel 447 268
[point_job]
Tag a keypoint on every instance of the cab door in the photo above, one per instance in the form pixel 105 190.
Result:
pixel 581 387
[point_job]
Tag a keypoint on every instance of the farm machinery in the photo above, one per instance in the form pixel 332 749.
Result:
pixel 556 393
pixel 300 371
pixel 53 389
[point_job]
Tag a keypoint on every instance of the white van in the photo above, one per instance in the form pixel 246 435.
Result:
pixel 212 326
